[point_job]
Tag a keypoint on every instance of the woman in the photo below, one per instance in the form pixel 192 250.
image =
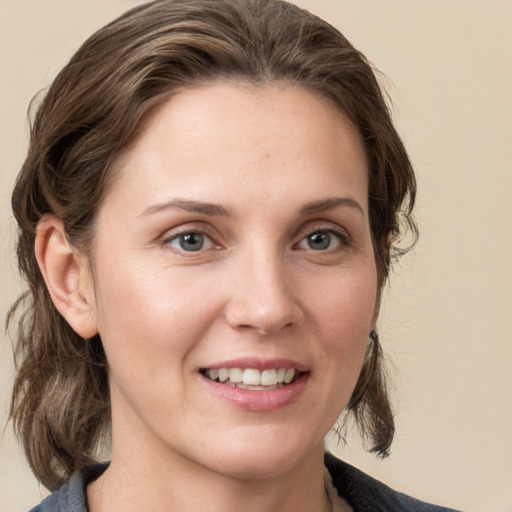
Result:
pixel 213 194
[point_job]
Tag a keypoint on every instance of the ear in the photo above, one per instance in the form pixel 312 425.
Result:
pixel 67 276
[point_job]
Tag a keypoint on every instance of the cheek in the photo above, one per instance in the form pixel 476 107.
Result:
pixel 149 311
pixel 148 329
pixel 347 304
pixel 345 316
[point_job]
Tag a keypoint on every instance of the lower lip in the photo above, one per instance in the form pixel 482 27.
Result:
pixel 258 400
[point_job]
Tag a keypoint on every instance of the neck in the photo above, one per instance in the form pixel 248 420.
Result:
pixel 135 484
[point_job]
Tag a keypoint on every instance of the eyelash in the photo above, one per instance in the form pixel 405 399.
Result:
pixel 342 237
pixel 184 232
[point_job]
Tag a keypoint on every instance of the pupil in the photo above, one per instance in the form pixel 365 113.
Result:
pixel 319 241
pixel 191 241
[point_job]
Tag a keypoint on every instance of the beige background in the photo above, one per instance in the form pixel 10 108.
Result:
pixel 445 321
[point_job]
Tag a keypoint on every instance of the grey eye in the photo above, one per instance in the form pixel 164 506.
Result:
pixel 320 240
pixel 191 242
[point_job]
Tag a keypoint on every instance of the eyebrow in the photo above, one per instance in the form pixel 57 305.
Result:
pixel 329 204
pixel 214 209
pixel 190 206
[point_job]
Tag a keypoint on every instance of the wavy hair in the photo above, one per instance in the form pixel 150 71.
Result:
pixel 95 107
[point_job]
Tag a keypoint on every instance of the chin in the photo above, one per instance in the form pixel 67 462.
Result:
pixel 260 458
pixel 256 469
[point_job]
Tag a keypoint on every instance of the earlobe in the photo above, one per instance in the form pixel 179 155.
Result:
pixel 67 276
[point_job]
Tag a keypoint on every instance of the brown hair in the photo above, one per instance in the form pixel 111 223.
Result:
pixel 95 108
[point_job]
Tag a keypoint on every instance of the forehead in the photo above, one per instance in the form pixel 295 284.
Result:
pixel 261 137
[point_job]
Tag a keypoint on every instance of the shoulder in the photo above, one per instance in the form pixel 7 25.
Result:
pixel 71 497
pixel 365 494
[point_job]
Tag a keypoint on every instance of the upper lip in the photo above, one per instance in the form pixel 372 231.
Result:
pixel 259 364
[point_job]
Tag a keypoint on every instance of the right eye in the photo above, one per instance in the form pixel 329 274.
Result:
pixel 190 241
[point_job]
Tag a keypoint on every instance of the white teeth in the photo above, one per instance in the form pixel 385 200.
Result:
pixel 236 374
pixel 288 376
pixel 252 377
pixel 269 378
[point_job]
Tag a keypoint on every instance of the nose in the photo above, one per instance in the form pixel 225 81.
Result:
pixel 263 297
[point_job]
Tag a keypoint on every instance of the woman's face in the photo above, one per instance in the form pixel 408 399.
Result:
pixel 235 243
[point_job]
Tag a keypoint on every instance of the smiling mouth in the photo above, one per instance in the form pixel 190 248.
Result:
pixel 252 378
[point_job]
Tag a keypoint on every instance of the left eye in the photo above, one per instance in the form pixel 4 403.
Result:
pixel 191 241
pixel 321 240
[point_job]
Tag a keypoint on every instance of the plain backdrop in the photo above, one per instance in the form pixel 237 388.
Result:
pixel 445 321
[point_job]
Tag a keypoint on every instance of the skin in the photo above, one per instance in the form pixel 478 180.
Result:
pixel 256 289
